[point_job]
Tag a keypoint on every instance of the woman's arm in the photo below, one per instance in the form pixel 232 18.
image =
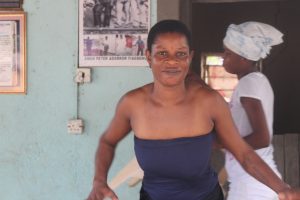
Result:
pixel 260 136
pixel 231 140
pixel 116 131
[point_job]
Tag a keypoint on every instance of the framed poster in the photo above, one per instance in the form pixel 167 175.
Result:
pixel 113 32
pixel 11 4
pixel 12 52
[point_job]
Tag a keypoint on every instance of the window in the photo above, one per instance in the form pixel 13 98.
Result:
pixel 214 74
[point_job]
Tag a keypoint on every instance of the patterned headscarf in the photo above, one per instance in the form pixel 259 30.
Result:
pixel 252 40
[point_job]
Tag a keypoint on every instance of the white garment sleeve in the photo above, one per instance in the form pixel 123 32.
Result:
pixel 250 86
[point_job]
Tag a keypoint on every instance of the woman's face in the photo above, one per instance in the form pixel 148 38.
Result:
pixel 232 61
pixel 170 58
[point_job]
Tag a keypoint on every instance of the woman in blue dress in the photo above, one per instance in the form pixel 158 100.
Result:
pixel 172 121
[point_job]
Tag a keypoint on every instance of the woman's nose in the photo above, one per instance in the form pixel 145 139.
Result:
pixel 171 60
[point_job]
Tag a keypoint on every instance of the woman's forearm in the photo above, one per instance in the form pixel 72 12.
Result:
pixel 103 160
pixel 257 168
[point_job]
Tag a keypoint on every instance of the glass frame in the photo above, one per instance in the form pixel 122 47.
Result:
pixel 13 52
pixel 121 41
pixel 10 4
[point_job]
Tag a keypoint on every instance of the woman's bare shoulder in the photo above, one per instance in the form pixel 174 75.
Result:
pixel 132 99
pixel 137 94
pixel 200 88
pixel 204 93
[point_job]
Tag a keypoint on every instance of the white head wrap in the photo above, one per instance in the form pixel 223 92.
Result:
pixel 252 40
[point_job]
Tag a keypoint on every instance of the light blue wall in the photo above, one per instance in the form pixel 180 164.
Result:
pixel 39 160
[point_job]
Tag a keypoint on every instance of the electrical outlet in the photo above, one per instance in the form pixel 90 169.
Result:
pixel 75 126
pixel 83 75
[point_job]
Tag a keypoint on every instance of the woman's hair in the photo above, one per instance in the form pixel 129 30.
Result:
pixel 168 26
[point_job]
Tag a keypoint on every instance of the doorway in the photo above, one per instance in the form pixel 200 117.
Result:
pixel 208 21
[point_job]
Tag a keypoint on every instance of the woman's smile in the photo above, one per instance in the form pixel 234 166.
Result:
pixel 171 71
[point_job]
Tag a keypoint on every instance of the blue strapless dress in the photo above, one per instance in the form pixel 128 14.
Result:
pixel 177 169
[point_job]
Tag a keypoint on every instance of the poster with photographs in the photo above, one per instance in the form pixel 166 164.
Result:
pixel 113 32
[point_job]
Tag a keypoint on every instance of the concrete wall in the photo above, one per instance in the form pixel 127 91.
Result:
pixel 168 9
pixel 39 160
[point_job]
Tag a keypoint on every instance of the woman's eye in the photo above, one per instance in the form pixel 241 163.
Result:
pixel 181 54
pixel 162 54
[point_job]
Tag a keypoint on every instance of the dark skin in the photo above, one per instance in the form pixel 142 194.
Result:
pixel 293 195
pixel 260 137
pixel 155 110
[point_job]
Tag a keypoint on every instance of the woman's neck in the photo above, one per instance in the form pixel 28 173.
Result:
pixel 168 95
pixel 244 73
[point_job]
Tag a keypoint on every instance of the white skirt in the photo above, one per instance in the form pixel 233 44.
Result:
pixel 250 189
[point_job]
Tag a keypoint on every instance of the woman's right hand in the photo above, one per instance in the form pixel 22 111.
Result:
pixel 290 194
pixel 101 191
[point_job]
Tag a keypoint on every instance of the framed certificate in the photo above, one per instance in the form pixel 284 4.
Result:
pixel 12 52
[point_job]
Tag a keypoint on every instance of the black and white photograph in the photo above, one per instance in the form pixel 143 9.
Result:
pixel 113 32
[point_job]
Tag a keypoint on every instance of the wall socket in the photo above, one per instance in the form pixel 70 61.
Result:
pixel 83 75
pixel 75 126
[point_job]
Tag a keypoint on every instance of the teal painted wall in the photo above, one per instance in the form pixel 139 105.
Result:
pixel 39 160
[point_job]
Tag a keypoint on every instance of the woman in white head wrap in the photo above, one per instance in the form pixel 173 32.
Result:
pixel 251 103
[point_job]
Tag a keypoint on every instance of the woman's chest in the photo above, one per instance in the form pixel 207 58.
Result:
pixel 170 122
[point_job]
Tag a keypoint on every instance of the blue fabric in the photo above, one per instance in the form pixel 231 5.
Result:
pixel 178 168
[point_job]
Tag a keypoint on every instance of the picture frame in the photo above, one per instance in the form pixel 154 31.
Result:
pixel 11 4
pixel 113 32
pixel 13 52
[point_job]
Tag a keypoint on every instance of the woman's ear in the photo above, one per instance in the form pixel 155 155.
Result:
pixel 247 62
pixel 191 55
pixel 148 57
